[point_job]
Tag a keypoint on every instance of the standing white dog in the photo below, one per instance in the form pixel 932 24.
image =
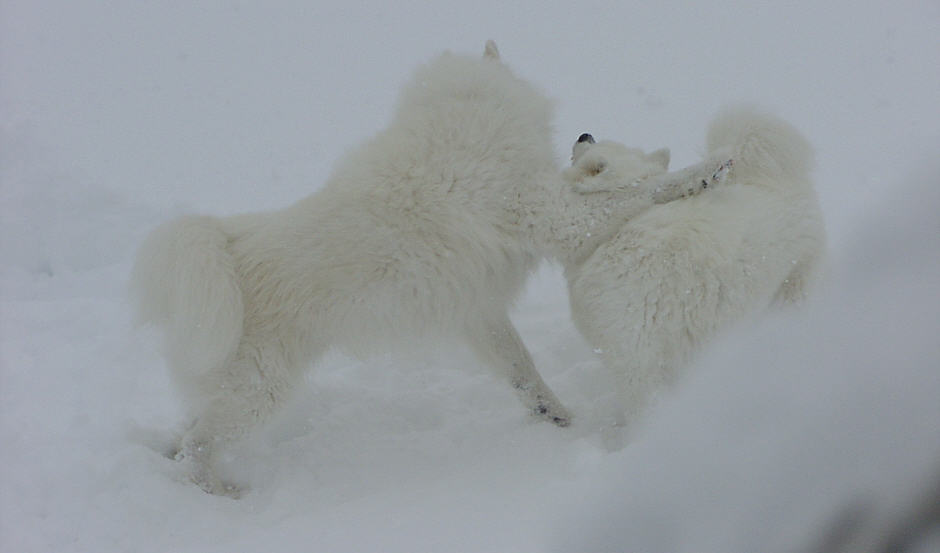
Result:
pixel 428 229
pixel 671 278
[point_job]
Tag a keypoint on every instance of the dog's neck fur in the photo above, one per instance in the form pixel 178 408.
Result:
pixel 569 226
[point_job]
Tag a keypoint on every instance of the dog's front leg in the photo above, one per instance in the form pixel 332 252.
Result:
pixel 497 343
pixel 689 181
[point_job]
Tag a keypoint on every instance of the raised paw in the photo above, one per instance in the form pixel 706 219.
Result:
pixel 723 171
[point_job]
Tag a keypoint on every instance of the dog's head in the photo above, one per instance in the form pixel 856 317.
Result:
pixel 612 162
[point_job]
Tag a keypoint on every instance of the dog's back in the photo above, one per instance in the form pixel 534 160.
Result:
pixel 743 240
pixel 467 135
pixel 415 228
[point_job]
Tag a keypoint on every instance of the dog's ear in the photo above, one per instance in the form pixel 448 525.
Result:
pixel 660 156
pixel 490 51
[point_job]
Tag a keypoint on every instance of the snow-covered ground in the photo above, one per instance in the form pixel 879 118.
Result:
pixel 812 431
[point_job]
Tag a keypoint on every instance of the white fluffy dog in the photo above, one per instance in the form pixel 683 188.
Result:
pixel 666 281
pixel 429 229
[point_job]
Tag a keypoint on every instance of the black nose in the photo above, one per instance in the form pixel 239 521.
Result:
pixel 586 137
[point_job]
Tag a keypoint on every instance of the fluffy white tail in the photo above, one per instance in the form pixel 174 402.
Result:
pixel 760 144
pixel 184 280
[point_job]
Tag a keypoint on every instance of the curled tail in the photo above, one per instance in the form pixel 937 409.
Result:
pixel 184 280
pixel 760 144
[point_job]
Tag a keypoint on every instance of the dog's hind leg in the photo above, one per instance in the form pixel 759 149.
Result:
pixel 795 288
pixel 246 392
pixel 497 343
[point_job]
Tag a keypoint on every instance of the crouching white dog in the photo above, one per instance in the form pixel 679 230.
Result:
pixel 669 279
pixel 429 229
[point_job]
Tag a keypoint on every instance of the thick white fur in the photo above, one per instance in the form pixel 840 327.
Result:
pixel 422 231
pixel 429 229
pixel 668 280
pixel 186 280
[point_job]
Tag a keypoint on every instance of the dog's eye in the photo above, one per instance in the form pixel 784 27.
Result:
pixel 596 168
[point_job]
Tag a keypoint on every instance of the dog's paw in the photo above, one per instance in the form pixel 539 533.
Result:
pixel 555 414
pixel 220 488
pixel 197 460
pixel 723 171
pixel 209 482
pixel 716 177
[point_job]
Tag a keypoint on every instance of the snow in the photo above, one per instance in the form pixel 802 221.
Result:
pixel 794 431
pixel 807 428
